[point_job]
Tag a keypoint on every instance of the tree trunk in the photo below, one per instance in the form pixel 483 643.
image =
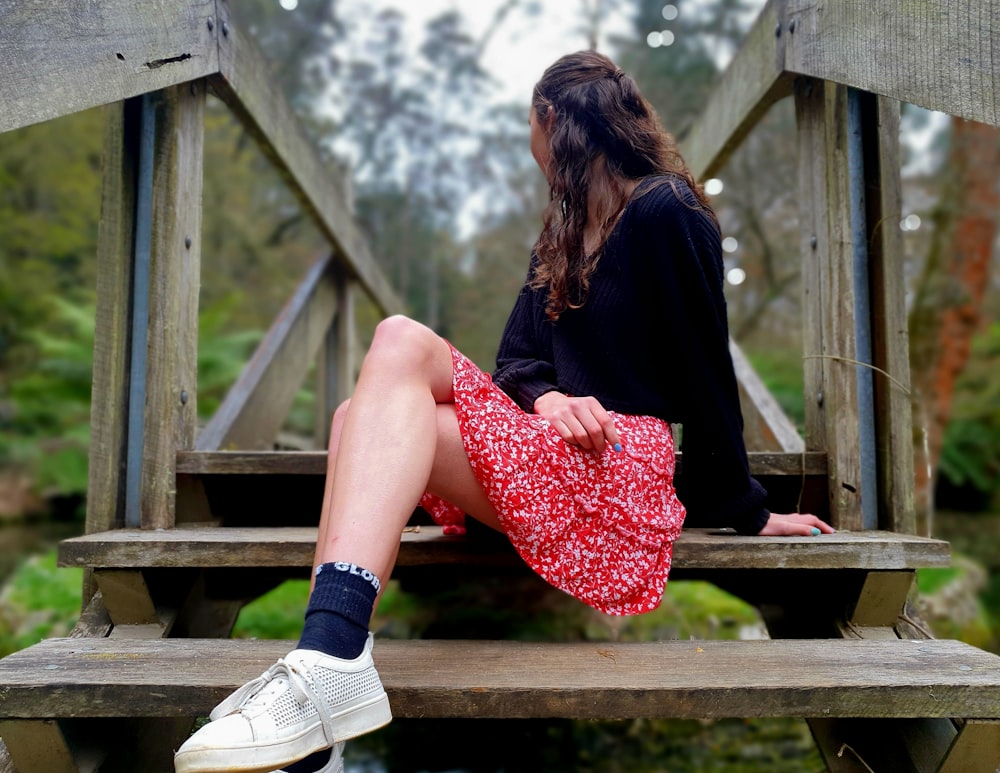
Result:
pixel 946 312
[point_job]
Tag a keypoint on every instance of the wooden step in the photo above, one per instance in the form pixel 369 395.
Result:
pixel 265 488
pixel 95 678
pixel 292 547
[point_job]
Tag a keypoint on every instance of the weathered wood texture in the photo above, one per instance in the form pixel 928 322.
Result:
pixel 175 280
pixel 245 83
pixel 293 546
pixel 700 679
pixel 753 81
pixel 255 408
pixel 890 335
pixel 314 463
pixel 61 57
pixel 939 54
pixel 832 421
pixel 109 392
pixel 766 427
pixel 338 362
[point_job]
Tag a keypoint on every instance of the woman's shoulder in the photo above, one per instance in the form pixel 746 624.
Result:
pixel 666 196
pixel 665 190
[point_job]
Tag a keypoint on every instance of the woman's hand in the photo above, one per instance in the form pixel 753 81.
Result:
pixel 581 421
pixel 795 525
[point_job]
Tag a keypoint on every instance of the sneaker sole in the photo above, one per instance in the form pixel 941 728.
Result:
pixel 356 721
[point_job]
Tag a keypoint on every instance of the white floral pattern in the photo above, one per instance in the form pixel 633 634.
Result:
pixel 600 527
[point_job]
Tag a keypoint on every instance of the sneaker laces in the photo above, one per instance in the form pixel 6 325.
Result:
pixel 293 673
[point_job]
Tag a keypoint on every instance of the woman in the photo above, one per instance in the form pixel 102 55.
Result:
pixel 619 331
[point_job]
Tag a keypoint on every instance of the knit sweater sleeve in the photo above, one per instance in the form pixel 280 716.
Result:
pixel 525 368
pixel 683 265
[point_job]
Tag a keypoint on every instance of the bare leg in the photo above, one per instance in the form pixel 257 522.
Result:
pixel 396 438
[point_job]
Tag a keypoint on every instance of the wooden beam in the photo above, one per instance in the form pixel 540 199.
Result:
pixel 509 679
pixel 256 406
pixel 890 334
pixel 939 54
pixel 976 749
pixel 810 463
pixel 60 58
pixel 753 81
pixel 766 427
pixel 245 83
pixel 236 547
pixel 881 599
pixel 127 597
pixel 175 279
pixel 109 391
pixel 831 403
pixel 38 745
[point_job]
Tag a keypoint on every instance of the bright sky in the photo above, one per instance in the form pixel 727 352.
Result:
pixel 523 47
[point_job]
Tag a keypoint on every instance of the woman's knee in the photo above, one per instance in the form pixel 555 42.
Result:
pixel 402 341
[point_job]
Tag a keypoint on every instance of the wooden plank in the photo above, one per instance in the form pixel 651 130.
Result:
pixel 812 463
pixel 671 679
pixel 753 81
pixel 766 427
pixel 256 406
pixel 939 54
pixel 890 334
pixel 236 547
pixel 245 83
pixel 175 279
pixel 828 309
pixel 60 58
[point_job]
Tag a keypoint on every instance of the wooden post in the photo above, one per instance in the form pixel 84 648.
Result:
pixel 337 360
pixel 175 275
pixel 109 393
pixel 831 405
pixel 890 338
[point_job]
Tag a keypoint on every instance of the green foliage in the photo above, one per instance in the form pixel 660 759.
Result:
pixel 38 602
pixel 781 371
pixel 971 452
pixel 47 429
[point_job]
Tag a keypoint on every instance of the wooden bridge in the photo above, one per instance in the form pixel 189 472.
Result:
pixel 184 527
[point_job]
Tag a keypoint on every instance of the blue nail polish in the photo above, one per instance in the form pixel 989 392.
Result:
pixel 618 447
pixel 815 532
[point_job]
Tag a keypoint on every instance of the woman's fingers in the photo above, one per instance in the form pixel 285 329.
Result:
pixel 582 421
pixel 795 524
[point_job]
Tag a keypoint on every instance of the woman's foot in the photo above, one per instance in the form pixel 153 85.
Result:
pixel 304 703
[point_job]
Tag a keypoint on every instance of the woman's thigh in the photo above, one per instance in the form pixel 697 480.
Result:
pixel 451 475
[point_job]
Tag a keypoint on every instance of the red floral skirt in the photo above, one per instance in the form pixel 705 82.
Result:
pixel 599 526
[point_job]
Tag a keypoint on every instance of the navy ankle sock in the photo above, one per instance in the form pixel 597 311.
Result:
pixel 339 610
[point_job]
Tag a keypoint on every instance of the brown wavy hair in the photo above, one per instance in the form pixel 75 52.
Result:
pixel 604 136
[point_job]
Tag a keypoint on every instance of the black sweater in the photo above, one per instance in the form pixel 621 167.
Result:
pixel 650 339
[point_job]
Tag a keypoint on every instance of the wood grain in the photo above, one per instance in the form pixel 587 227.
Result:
pixel 58 58
pixel 293 547
pixel 939 54
pixel 314 463
pixel 693 679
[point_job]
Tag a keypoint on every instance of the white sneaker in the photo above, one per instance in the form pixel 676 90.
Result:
pixel 304 703
pixel 335 763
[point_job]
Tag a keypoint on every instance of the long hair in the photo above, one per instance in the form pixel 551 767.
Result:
pixel 604 136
